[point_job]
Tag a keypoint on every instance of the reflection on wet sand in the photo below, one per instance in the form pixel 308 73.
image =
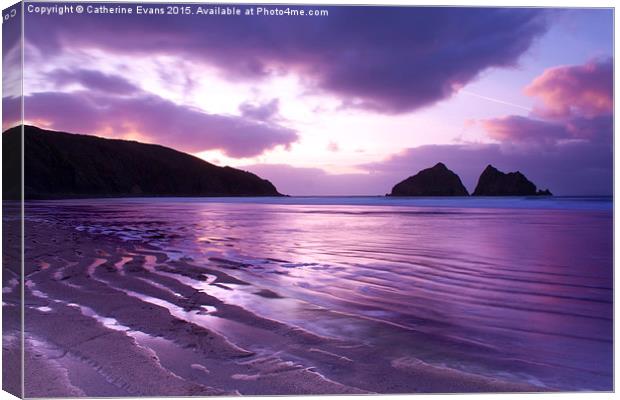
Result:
pixel 212 299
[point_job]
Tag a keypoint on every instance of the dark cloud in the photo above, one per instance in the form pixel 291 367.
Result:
pixel 11 112
pixel 11 66
pixel 260 112
pixel 156 120
pixel 94 80
pixel 388 59
pixel 595 129
pixel 11 28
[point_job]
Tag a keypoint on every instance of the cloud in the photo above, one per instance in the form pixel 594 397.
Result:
pixel 333 147
pixel 596 129
pixel 260 112
pixel 564 145
pixel 387 59
pixel 301 181
pixel 94 80
pixel 11 66
pixel 572 168
pixel 576 104
pixel 156 120
pixel 575 91
pixel 520 129
pixel 11 112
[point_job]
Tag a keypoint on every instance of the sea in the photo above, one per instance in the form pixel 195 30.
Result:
pixel 517 289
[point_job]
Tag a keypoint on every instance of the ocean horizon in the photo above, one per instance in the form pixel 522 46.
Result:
pixel 594 202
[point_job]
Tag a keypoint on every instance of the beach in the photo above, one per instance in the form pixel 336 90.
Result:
pixel 204 199
pixel 166 297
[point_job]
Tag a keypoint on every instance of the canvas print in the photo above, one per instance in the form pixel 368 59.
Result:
pixel 207 199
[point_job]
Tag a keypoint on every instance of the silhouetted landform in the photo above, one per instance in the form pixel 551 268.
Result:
pixel 65 165
pixel 493 182
pixel 435 181
pixel 11 164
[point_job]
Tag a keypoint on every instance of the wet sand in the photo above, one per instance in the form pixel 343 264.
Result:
pixel 106 317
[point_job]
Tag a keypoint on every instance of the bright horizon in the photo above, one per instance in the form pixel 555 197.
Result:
pixel 351 103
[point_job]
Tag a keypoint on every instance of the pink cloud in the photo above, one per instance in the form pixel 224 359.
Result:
pixel 576 90
pixel 152 119
pixel 576 103
pixel 110 105
pixel 333 147
pixel 524 130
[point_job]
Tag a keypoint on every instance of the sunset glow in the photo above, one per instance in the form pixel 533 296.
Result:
pixel 282 99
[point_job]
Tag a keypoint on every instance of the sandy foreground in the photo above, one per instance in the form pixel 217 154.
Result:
pixel 110 318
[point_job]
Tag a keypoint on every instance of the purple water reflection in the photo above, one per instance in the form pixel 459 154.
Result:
pixel 523 294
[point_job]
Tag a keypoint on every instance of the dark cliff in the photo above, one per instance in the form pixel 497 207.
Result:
pixel 493 182
pixel 435 181
pixel 64 165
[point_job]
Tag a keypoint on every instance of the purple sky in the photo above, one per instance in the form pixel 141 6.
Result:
pixel 350 103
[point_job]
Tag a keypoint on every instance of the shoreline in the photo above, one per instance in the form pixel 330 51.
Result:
pixel 99 293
